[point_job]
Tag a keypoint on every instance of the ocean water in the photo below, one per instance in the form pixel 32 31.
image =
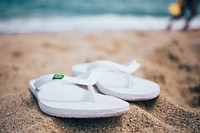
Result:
pixel 29 16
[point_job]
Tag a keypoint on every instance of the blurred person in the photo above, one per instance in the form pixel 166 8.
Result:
pixel 179 10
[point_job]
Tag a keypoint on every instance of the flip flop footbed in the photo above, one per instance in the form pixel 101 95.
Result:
pixel 68 100
pixel 114 82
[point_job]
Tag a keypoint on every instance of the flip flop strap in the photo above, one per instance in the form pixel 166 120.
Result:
pixel 128 68
pixel 88 79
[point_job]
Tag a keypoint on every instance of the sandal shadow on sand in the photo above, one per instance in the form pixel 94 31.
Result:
pixel 59 95
pixel 116 80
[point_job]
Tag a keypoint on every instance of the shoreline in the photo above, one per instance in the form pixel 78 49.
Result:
pixel 105 23
pixel 100 32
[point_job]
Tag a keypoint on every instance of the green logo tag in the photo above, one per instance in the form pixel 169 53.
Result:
pixel 58 76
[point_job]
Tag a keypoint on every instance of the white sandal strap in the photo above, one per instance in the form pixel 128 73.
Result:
pixel 89 78
pixel 127 68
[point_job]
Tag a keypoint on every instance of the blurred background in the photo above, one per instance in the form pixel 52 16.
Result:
pixel 29 16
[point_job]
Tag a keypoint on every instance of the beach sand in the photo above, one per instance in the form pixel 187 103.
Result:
pixel 169 58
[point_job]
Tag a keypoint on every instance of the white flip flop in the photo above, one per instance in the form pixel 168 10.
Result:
pixel 58 95
pixel 116 80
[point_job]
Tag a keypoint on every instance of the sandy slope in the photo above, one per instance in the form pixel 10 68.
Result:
pixel 170 59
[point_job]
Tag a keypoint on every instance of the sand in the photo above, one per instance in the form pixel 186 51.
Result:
pixel 169 58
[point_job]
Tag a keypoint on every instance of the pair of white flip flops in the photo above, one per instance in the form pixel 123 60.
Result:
pixel 59 95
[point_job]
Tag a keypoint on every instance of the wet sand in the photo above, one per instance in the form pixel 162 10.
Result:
pixel 169 58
